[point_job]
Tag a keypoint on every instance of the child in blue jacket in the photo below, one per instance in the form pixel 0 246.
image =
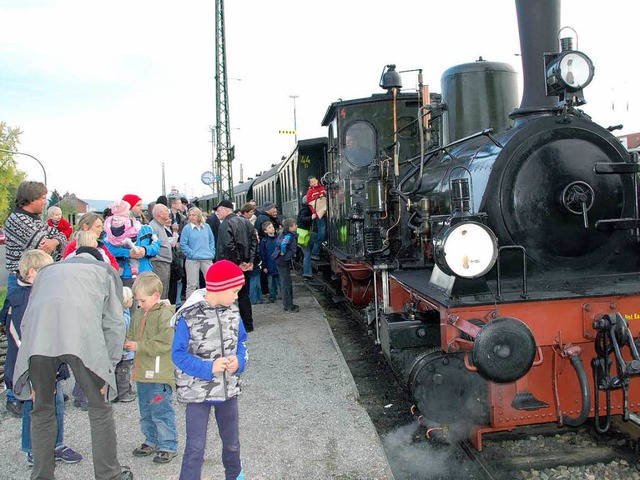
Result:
pixel 288 247
pixel 268 245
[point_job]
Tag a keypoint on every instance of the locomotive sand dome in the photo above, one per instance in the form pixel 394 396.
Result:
pixel 478 95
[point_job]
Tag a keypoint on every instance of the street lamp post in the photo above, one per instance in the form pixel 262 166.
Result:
pixel 295 123
pixel 31 156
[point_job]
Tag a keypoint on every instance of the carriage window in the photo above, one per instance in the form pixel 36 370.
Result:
pixel 359 144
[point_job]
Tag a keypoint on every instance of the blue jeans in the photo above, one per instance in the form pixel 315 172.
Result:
pixel 320 235
pixel 157 417
pixel 306 261
pixel 287 287
pixel 274 286
pixel 197 424
pixel 26 420
pixel 255 291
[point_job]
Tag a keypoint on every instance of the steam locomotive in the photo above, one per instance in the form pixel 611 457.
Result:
pixel 494 247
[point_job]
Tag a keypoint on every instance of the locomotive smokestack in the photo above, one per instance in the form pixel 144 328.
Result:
pixel 538 24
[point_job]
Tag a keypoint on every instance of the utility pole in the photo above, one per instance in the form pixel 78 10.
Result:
pixel 224 150
pixel 295 122
pixel 164 185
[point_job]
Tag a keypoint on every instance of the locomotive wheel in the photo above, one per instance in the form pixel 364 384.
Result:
pixel 504 350
pixel 445 391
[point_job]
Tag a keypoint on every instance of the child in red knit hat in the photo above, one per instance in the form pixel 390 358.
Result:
pixel 209 351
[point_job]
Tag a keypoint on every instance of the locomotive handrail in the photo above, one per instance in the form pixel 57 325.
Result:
pixel 467 364
pixel 540 357
pixel 524 270
pixel 431 153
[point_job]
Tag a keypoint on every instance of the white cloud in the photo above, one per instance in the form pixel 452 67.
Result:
pixel 107 92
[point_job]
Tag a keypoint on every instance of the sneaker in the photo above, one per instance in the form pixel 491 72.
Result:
pixel 84 406
pixel 14 407
pixel 126 474
pixel 29 460
pixel 164 457
pixel 144 450
pixel 126 397
pixel 315 257
pixel 307 276
pixel 294 308
pixel 66 455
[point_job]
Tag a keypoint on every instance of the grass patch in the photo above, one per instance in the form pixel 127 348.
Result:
pixel 3 295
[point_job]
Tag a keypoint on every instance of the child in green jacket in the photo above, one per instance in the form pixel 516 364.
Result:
pixel 150 335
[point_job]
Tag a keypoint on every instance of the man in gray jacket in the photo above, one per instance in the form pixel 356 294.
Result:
pixel 161 263
pixel 74 316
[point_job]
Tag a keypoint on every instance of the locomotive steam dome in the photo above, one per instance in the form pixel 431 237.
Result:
pixel 478 95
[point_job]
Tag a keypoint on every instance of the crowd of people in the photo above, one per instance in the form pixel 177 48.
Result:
pixel 157 301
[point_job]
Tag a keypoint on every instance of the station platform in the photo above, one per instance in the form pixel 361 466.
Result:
pixel 299 412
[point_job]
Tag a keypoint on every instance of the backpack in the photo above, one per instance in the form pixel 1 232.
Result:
pixel 276 252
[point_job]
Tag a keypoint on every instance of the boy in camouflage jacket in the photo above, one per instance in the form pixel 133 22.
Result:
pixel 209 351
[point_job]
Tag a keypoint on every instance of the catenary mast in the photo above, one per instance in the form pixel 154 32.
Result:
pixel 224 150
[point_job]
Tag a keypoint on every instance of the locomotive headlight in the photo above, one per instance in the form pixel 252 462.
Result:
pixel 466 249
pixel 571 70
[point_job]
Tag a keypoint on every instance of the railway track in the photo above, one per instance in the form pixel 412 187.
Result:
pixel 544 451
pixel 560 453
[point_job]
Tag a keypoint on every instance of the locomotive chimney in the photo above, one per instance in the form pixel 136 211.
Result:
pixel 538 24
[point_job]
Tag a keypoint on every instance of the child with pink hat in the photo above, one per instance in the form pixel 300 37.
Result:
pixel 122 231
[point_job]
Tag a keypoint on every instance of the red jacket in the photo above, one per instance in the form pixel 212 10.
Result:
pixel 313 194
pixel 63 227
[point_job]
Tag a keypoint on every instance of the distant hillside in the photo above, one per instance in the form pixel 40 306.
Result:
pixel 97 205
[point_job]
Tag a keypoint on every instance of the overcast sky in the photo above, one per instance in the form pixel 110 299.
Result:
pixel 106 92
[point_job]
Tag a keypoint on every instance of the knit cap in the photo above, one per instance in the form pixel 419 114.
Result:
pixel 131 199
pixel 224 275
pixel 267 206
pixel 120 211
pixel 120 208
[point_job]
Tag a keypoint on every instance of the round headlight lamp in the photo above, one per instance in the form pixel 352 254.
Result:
pixel 466 249
pixel 571 70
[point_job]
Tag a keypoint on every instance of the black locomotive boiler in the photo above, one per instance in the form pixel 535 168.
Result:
pixel 495 246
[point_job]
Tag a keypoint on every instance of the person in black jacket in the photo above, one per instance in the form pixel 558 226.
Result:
pixel 237 241
pixel 223 210
pixel 304 220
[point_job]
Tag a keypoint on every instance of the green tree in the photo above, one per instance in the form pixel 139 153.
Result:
pixel 68 209
pixel 10 176
pixel 54 199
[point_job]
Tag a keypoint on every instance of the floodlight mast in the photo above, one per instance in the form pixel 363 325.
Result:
pixel 224 150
